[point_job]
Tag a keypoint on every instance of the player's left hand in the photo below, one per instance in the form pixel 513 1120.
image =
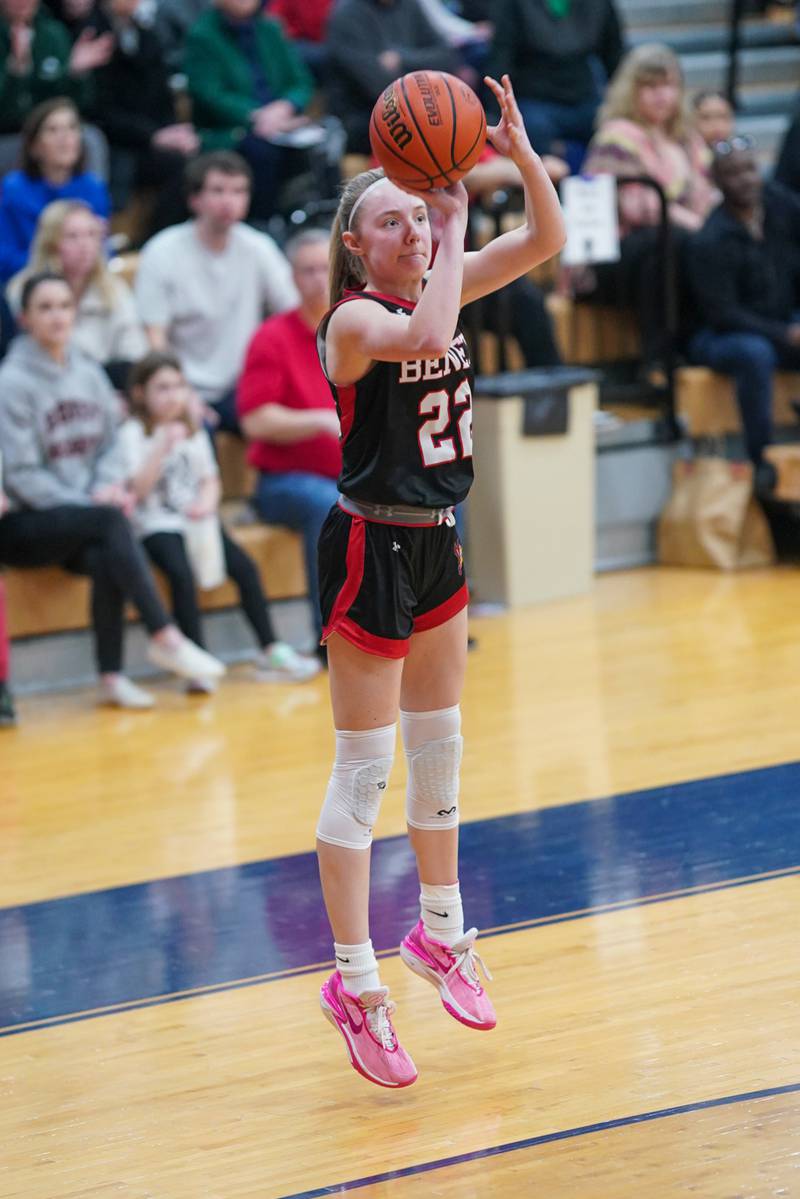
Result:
pixel 508 136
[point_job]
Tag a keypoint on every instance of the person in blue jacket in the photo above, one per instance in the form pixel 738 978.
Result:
pixel 52 168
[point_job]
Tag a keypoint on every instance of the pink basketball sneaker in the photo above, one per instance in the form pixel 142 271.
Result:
pixel 452 971
pixel 366 1025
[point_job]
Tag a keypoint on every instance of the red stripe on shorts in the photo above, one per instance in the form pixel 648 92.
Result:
pixel 371 643
pixel 443 612
pixel 354 575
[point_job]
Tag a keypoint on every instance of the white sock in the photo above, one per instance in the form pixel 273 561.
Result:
pixel 442 913
pixel 358 967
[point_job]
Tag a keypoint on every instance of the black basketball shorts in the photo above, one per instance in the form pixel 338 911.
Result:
pixel 380 583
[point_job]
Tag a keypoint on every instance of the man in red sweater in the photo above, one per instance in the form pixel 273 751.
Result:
pixel 287 412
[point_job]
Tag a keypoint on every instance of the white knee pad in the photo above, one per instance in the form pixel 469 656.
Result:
pixel 433 745
pixel 357 784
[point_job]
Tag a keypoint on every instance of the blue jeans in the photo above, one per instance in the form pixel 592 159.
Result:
pixel 751 360
pixel 302 501
pixel 548 122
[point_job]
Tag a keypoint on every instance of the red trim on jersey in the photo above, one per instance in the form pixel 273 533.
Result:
pixel 347 408
pixel 439 615
pixel 378 295
pixel 354 575
pixel 371 643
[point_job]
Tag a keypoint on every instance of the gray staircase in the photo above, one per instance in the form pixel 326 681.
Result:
pixel 769 60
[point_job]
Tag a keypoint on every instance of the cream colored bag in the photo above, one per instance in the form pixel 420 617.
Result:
pixel 206 554
pixel 713 519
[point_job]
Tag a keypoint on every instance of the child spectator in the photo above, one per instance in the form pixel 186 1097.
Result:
pixel 63 473
pixel 52 169
pixel 8 716
pixel 69 241
pixel 134 106
pixel 203 287
pixel 249 87
pixel 175 479
pixel 713 117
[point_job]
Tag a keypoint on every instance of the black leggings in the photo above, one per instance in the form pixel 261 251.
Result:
pixel 168 552
pixel 96 541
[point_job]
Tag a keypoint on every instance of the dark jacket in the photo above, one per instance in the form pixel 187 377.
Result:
pixel 358 32
pixel 555 58
pixel 740 284
pixel 221 82
pixel 787 170
pixel 48 75
pixel 132 93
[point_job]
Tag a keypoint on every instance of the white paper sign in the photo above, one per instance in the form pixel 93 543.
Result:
pixel 590 214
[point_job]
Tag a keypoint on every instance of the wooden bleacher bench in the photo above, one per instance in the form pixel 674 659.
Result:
pixel 49 600
pixel 706 401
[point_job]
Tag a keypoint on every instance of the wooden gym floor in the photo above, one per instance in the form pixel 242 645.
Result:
pixel 631 850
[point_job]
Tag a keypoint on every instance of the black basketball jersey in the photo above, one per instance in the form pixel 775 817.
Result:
pixel 406 426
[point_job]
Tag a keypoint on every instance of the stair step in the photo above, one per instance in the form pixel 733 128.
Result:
pixel 766 100
pixel 779 64
pixel 638 13
pixel 766 131
pixel 699 39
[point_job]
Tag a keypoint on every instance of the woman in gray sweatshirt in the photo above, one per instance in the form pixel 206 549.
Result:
pixel 63 472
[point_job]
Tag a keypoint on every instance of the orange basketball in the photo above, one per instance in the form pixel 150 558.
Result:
pixel 427 129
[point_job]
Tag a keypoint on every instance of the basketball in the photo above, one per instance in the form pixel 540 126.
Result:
pixel 427 129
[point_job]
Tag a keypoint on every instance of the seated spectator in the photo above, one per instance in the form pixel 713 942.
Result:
pixel 519 308
pixel 713 117
pixel 744 274
pixel 203 287
pixel 52 169
pixel 470 38
pixel 174 476
pixel 8 716
pixel 643 131
pixel 134 106
pixel 551 49
pixel 370 43
pixel 249 88
pixel 39 62
pixel 305 22
pixel 171 24
pixel 69 242
pixel 63 474
pixel 787 170
pixel 287 411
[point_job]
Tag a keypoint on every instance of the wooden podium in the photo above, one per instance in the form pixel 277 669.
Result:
pixel 531 518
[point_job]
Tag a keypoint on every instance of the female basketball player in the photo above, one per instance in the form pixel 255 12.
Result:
pixel 392 582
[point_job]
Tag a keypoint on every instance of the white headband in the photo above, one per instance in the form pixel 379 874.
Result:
pixel 375 183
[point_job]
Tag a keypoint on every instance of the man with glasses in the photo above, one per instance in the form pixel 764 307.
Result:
pixel 744 274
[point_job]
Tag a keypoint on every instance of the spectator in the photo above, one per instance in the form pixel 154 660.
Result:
pixel 175 479
pixel 52 169
pixel 713 117
pixel 134 106
pixel 69 242
pixel 787 170
pixel 287 410
pixel 744 273
pixel 203 287
pixel 62 473
pixel 551 49
pixel 370 43
pixel 8 717
pixel 38 62
pixel 172 21
pixel 643 131
pixel 305 22
pixel 471 38
pixel 249 87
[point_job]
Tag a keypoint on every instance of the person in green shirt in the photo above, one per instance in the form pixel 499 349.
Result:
pixel 249 88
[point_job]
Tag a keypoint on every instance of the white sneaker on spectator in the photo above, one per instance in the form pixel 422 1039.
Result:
pixel 185 659
pixel 120 692
pixel 281 663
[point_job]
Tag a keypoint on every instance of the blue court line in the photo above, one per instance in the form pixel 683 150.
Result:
pixel 158 941
pixel 545 1139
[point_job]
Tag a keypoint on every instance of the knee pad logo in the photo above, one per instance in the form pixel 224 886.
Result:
pixel 447 811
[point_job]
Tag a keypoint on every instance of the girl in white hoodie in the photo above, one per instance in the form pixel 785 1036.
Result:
pixel 64 477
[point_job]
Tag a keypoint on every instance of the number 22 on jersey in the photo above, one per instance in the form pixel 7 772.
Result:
pixel 435 448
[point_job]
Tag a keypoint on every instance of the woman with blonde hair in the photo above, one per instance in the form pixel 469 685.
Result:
pixel 69 241
pixel 643 129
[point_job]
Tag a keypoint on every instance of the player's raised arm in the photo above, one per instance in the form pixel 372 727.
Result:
pixel 514 253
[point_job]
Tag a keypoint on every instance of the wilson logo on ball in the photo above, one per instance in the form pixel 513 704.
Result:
pixel 398 131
